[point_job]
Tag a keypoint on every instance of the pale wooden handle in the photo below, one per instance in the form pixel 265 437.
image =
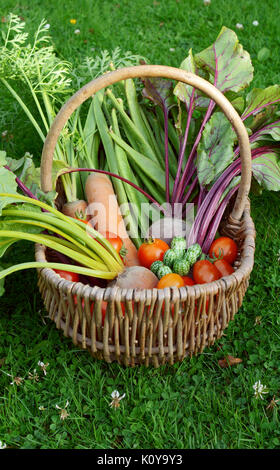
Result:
pixel 173 73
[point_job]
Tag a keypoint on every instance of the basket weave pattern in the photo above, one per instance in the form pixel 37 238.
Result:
pixel 151 326
pixel 159 325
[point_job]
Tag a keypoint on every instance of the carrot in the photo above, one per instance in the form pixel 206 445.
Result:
pixel 76 209
pixel 104 209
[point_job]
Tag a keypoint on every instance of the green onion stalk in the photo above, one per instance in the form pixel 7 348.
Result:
pixel 94 255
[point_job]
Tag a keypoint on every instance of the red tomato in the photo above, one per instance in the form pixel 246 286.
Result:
pixel 103 310
pixel 152 250
pixel 204 271
pixel 224 268
pixel 74 277
pixel 225 247
pixel 116 243
pixel 170 280
pixel 188 281
pixel 115 240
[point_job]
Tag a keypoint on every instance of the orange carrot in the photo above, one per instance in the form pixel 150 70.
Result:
pixel 104 209
pixel 76 209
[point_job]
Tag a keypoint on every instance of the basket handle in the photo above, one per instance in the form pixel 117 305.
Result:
pixel 173 73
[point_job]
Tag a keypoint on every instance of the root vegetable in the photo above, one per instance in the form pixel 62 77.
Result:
pixel 136 277
pixel 103 208
pixel 76 209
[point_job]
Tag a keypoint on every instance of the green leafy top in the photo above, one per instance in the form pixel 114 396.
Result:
pixel 22 60
pixel 215 151
pixel 229 66
pixel 258 99
pixel 187 93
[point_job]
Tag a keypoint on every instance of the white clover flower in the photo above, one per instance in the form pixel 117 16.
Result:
pixel 77 31
pixel 33 376
pixel 260 389
pixel 172 49
pixel 63 412
pixel 239 26
pixel 17 380
pixel 42 408
pixel 47 26
pixel 206 2
pixel 115 403
pixel 255 23
pixel 43 366
pixel 2 445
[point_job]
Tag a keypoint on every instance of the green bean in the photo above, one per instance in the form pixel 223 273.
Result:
pixel 111 158
pixel 125 172
pixel 134 135
pixel 138 116
pixel 151 169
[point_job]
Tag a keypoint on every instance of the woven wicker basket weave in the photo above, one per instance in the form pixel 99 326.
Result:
pixel 151 326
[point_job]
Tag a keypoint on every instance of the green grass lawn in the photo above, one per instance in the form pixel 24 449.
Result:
pixel 192 405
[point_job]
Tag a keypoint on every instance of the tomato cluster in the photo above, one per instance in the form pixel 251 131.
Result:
pixel 218 263
pixel 222 253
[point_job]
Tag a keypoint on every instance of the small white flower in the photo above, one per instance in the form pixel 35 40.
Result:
pixel 115 403
pixel 2 445
pixel 4 133
pixel 33 376
pixel 43 366
pixel 278 255
pixel 172 49
pixel 260 389
pixel 42 408
pixel 255 23
pixel 206 2
pixel 63 412
pixel 77 31
pixel 239 26
pixel 17 380
pixel 47 26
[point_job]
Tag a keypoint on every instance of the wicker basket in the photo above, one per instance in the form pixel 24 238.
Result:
pixel 151 326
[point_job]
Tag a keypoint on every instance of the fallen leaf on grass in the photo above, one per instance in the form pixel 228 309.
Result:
pixel 229 361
